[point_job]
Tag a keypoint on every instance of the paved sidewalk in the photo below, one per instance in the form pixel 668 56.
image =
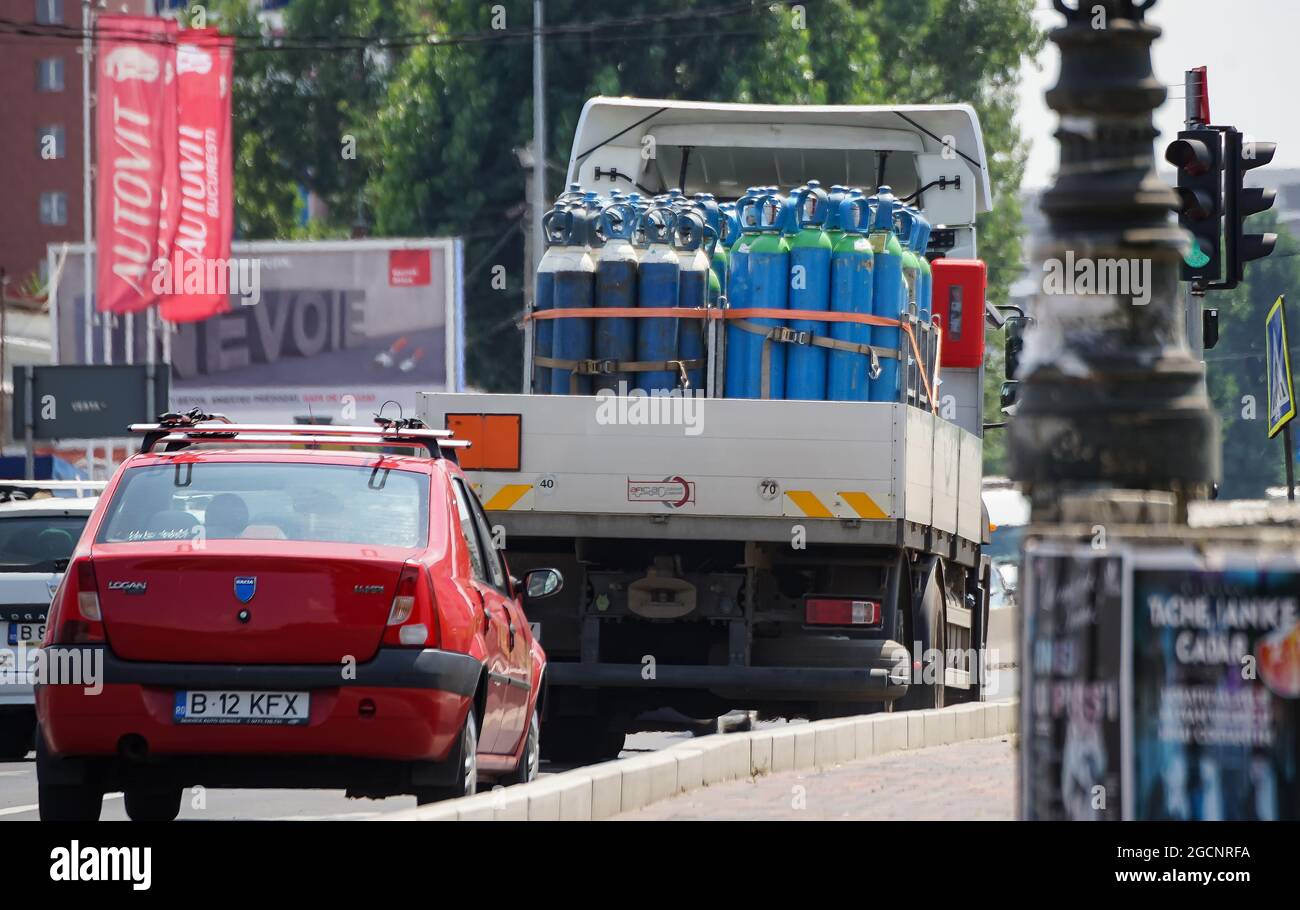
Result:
pixel 962 781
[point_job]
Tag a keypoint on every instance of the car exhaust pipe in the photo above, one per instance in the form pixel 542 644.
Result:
pixel 133 748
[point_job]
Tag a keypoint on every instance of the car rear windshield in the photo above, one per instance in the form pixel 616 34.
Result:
pixel 377 506
pixel 38 543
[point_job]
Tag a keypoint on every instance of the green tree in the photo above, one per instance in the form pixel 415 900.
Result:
pixel 1236 370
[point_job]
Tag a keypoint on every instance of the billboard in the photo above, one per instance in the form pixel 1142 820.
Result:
pixel 333 331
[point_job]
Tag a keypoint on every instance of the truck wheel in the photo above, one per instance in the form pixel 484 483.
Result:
pixel 152 805
pixel 467 762
pixel 922 694
pixel 581 740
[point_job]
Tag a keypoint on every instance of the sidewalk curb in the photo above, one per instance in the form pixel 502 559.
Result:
pixel 602 791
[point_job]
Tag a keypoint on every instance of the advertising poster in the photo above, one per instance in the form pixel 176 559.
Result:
pixel 1070 748
pixel 331 331
pixel 1215 687
pixel 136 154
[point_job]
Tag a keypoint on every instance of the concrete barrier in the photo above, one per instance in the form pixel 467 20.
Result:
pixel 603 791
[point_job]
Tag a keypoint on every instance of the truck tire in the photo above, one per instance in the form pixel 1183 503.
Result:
pixel 927 627
pixel 581 740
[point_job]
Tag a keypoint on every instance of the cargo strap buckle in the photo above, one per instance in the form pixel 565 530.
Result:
pixel 873 371
pixel 595 367
pixel 790 336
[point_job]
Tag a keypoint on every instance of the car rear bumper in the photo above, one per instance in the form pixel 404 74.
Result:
pixel 404 705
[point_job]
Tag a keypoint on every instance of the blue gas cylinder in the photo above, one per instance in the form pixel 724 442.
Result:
pixel 557 225
pixel 690 239
pixel 769 279
pixel 616 279
pixel 810 289
pixel 925 279
pixel 889 298
pixel 738 296
pixel 852 290
pixel 658 282
pixel 575 274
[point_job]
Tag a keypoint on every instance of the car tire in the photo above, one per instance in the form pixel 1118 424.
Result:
pixel 152 805
pixel 466 760
pixel 531 759
pixel 65 802
pixel 17 737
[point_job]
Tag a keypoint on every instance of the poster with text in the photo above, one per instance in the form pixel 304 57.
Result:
pixel 1071 763
pixel 1215 686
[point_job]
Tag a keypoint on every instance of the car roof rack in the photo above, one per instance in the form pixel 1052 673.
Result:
pixel 179 431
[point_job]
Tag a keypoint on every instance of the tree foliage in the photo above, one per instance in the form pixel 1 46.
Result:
pixel 1236 371
pixel 437 126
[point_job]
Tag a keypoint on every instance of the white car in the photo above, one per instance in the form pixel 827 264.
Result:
pixel 37 536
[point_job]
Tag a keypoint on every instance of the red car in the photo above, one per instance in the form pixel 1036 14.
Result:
pixel 273 606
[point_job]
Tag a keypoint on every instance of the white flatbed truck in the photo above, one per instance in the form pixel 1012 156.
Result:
pixel 794 558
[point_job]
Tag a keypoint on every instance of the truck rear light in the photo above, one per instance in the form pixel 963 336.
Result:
pixel 826 611
pixel 79 618
pixel 412 618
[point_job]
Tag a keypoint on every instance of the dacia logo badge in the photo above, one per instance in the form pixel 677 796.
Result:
pixel 245 588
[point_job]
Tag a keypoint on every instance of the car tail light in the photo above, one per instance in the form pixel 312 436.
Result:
pixel 80 618
pixel 404 597
pixel 826 611
pixel 412 618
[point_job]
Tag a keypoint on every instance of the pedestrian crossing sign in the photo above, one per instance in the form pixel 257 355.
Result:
pixel 1281 392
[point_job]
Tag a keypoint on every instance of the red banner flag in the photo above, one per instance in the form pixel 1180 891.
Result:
pixel 201 272
pixel 136 147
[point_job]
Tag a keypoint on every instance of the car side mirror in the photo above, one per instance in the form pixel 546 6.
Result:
pixel 541 583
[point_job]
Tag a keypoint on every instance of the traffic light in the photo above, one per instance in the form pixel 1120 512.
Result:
pixel 1243 201
pixel 1198 156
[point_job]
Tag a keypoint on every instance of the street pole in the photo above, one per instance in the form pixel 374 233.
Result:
pixel 1112 398
pixel 1290 462
pixel 538 200
pixel 1194 107
pixel 87 206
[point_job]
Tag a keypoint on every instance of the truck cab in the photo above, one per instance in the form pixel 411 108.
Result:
pixel 790 557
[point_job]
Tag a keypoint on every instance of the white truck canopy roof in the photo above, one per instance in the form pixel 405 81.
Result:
pixel 712 147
